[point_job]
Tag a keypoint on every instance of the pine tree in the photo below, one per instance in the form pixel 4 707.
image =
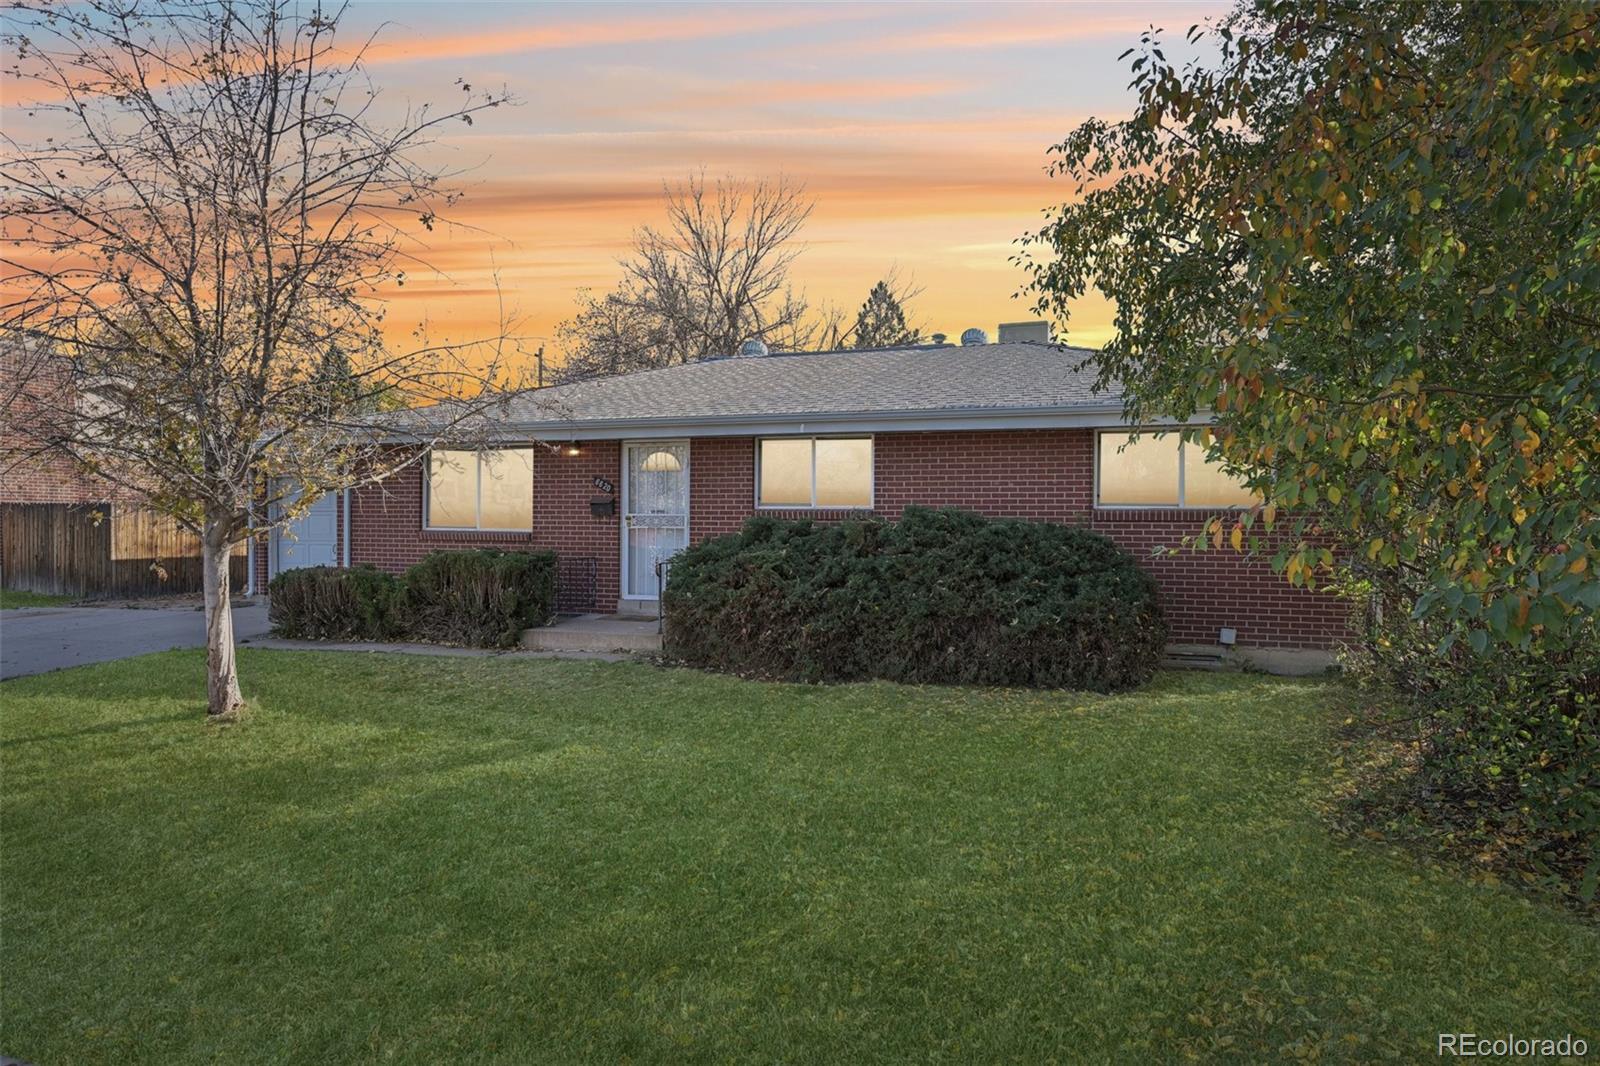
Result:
pixel 337 378
pixel 881 322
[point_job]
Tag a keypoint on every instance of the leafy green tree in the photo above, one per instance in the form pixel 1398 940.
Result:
pixel 1366 236
pixel 881 322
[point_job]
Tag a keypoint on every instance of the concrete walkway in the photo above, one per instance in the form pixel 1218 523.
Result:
pixel 445 650
pixel 36 640
pixel 595 632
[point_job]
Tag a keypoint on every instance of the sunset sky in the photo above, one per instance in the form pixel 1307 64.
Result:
pixel 919 130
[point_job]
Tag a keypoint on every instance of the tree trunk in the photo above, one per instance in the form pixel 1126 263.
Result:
pixel 222 674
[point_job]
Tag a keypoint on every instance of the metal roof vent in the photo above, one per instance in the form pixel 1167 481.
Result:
pixel 974 336
pixel 937 338
pixel 754 347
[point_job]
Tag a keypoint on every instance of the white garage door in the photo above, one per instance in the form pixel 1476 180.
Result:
pixel 310 540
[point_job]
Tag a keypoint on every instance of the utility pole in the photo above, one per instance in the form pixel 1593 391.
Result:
pixel 540 357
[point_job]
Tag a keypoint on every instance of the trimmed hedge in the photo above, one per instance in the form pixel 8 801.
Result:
pixel 482 598
pixel 334 603
pixel 941 596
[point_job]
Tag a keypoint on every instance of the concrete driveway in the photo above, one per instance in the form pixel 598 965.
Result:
pixel 35 640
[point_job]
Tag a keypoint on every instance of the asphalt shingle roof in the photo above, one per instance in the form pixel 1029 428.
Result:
pixel 1011 376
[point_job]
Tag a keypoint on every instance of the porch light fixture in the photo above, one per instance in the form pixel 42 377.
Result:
pixel 572 449
pixel 661 463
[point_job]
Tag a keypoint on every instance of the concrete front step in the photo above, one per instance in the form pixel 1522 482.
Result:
pixel 638 609
pixel 594 632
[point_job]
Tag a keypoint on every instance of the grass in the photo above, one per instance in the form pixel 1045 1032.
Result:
pixel 476 860
pixel 11 599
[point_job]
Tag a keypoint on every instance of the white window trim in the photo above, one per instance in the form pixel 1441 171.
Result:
pixel 427 493
pixel 872 475
pixel 1099 447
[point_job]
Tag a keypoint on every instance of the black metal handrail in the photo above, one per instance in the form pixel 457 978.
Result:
pixel 663 568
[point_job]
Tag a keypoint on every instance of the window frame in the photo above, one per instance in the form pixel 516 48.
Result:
pixel 478 527
pixel 1099 450
pixel 872 473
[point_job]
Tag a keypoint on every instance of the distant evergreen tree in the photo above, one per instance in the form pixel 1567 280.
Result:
pixel 338 380
pixel 881 322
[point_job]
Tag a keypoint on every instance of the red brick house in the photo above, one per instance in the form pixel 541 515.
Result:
pixel 616 473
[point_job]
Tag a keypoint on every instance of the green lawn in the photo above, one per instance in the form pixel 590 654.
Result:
pixel 13 598
pixel 473 860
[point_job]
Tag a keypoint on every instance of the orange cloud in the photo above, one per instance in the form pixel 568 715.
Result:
pixel 757 94
pixel 939 190
pixel 940 197
pixel 694 25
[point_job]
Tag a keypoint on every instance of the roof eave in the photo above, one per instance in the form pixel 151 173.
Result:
pixel 912 421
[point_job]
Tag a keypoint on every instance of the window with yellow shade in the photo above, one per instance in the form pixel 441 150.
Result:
pixel 480 490
pixel 1162 471
pixel 814 472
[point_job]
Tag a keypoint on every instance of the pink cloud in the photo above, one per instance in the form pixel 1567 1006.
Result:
pixel 755 94
pixel 693 25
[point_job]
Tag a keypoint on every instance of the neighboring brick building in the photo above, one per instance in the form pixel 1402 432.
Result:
pixel 613 474
pixel 66 533
pixel 49 480
pixel 26 476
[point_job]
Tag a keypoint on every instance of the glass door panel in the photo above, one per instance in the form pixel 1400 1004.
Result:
pixel 655 512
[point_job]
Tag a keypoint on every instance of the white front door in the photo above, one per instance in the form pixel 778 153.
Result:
pixel 655 511
pixel 310 540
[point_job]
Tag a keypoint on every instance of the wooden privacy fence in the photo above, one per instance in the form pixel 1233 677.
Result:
pixel 101 550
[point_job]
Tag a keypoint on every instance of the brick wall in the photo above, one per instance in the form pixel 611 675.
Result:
pixel 1202 591
pixel 563 486
pixel 386 526
pixel 386 520
pixel 1043 475
pixel 1048 476
pixel 27 477
pixel 51 480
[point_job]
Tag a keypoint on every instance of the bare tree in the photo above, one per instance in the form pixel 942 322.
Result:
pixel 198 231
pixel 714 276
pixel 613 333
